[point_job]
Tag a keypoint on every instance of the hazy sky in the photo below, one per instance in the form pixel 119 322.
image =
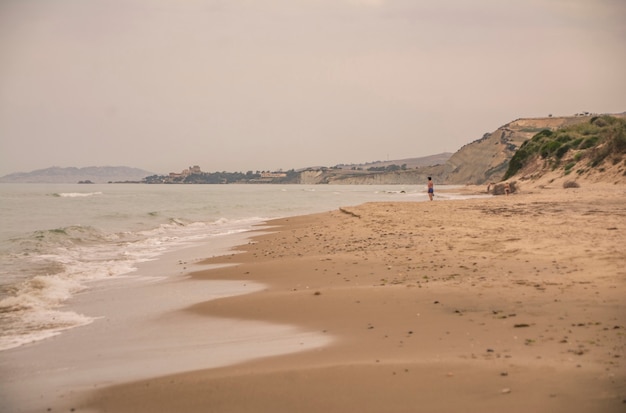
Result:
pixel 242 85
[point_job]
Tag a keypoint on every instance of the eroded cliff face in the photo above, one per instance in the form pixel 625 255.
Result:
pixel 388 178
pixel 416 176
pixel 311 177
pixel 409 177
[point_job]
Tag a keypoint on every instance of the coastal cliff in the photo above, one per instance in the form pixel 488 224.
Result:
pixel 487 159
pixel 405 177
pixel 482 161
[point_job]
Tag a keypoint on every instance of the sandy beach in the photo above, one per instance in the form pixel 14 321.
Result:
pixel 499 304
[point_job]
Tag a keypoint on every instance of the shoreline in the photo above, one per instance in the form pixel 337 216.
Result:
pixel 43 364
pixel 140 331
pixel 505 303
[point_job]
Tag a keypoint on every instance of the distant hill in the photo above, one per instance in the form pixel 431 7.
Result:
pixel 95 174
pixel 412 163
pixel 407 171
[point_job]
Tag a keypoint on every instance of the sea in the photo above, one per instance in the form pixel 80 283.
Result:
pixel 60 240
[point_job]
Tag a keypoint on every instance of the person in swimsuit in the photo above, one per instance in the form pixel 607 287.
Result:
pixel 431 191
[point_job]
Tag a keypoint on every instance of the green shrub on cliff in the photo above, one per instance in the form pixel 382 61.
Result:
pixel 595 141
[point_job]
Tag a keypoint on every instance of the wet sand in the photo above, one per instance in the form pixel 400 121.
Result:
pixel 140 332
pixel 502 304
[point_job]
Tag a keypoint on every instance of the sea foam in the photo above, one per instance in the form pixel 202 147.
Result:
pixel 76 194
pixel 68 259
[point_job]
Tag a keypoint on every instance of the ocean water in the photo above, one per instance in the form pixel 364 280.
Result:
pixel 59 240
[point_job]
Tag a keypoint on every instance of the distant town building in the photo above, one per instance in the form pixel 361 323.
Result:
pixel 180 176
pixel 273 174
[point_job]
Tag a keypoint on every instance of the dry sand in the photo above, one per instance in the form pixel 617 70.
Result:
pixel 512 304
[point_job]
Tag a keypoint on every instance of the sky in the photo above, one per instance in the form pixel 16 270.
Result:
pixel 254 85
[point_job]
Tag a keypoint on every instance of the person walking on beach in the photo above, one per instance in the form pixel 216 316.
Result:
pixel 431 191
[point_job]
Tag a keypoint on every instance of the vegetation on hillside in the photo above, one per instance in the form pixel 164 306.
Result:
pixel 288 177
pixel 578 147
pixel 388 168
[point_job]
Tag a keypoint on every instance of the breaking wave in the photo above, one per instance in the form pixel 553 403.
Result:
pixel 75 194
pixel 53 265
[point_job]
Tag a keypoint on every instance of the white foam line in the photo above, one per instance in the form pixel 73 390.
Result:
pixel 140 331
